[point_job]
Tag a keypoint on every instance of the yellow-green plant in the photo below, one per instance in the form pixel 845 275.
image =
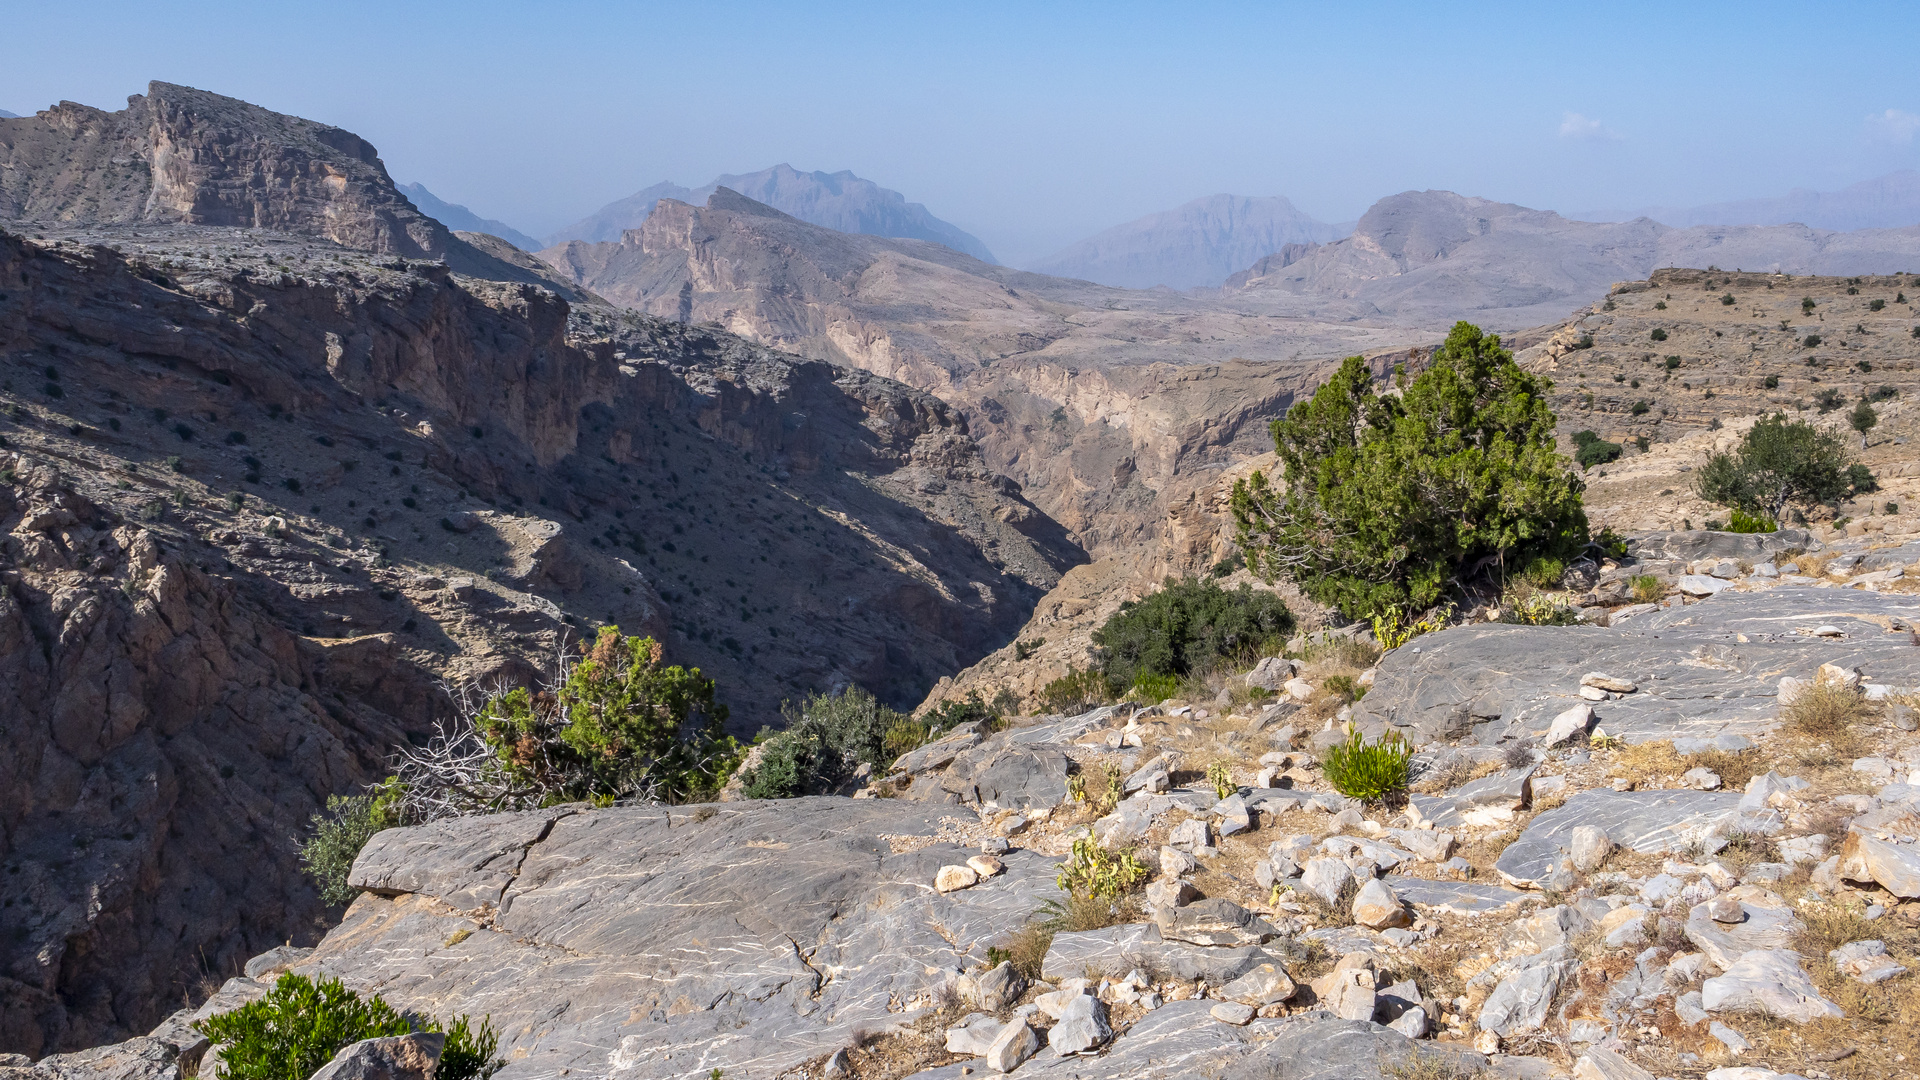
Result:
pixel 1539 609
pixel 1395 627
pixel 1366 770
pixel 1094 871
pixel 1221 779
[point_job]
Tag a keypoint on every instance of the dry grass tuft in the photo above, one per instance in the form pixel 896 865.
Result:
pixel 1831 712
pixel 1735 767
pixel 1813 565
pixel 1027 949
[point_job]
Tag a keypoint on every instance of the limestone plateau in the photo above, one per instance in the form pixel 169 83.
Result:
pixel 284 456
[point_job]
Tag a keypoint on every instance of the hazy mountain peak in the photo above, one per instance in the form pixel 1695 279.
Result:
pixel 5 115
pixel 1198 243
pixel 840 201
pixel 460 219
pixel 1891 201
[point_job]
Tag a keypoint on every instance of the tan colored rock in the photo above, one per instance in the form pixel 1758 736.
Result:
pixel 1895 867
pixel 1602 681
pixel 1380 908
pixel 985 865
pixel 1016 1043
pixel 954 878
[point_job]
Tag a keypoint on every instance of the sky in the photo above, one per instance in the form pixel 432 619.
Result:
pixel 1035 124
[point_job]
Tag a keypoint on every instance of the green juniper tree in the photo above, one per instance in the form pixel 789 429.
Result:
pixel 1389 499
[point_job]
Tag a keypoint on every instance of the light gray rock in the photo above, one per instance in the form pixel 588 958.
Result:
pixel 1894 866
pixel 1231 1012
pixel 1378 907
pixel 1189 835
pixel 1701 584
pixel 1763 926
pixel 1119 949
pixel 401 1057
pixel 1432 846
pixel 1509 789
pixel 1215 921
pixel 1689 1009
pixel 1643 821
pixel 1568 723
pixel 1600 1063
pixel 1589 847
pixel 1310 1047
pixel 136 1059
pixel 1866 961
pixel 994 989
pixel 274 961
pixel 973 1036
pixel 1083 1025
pixel 1519 1004
pixel 1016 1043
pixel 1735 1042
pixel 1459 897
pixel 1326 879
pixel 1233 815
pixel 1266 984
pixel 1769 981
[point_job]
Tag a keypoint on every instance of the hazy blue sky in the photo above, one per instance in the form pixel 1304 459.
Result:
pixel 1034 124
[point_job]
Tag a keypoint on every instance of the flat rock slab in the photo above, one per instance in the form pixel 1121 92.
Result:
pixel 645 942
pixel 1117 950
pixel 1313 1046
pixel 1645 821
pixel 1459 897
pixel 1176 1041
pixel 468 862
pixel 1488 682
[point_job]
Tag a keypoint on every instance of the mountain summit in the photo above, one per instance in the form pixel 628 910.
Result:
pixel 460 219
pixel 1195 244
pixel 840 201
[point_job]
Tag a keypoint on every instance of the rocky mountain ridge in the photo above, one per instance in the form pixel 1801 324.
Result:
pixel 1420 258
pixel 1883 202
pixel 1197 244
pixel 840 201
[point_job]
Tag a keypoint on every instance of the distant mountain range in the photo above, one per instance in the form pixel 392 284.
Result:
pixel 1196 244
pixel 460 219
pixel 5 115
pixel 840 201
pixel 1428 257
pixel 1885 202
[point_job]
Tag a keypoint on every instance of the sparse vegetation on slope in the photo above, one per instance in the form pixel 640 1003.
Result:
pixel 1189 627
pixel 1778 464
pixel 300 1025
pixel 1388 500
pixel 827 738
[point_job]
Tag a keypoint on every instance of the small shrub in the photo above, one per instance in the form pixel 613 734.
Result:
pixel 334 839
pixel 1640 408
pixel 1189 627
pixel 1152 688
pixel 1778 462
pixel 1220 778
pixel 1811 341
pixel 1025 649
pixel 826 738
pixel 1591 449
pixel 1827 709
pixel 1537 609
pixel 1883 393
pixel 299 1026
pixel 1727 300
pixel 1641 442
pixel 1806 304
pixel 1861 479
pixel 1771 382
pixel 1658 334
pixel 1394 628
pixel 1585 342
pixel 1659 305
pixel 1027 949
pixel 1742 522
pixel 1673 363
pixel 1102 799
pixel 1345 688
pixel 1366 770
pixel 1876 305
pixel 1077 691
pixel 1094 871
pixel 1647 589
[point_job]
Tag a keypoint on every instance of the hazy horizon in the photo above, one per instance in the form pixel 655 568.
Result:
pixel 1032 129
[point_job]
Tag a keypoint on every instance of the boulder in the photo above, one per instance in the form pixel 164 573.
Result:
pixel 1217 921
pixel 1189 835
pixel 1602 681
pixel 1765 922
pixel 973 1036
pixel 985 865
pixel 1266 984
pixel 1769 981
pixel 1378 907
pixel 1326 879
pixel 1234 817
pixel 1015 1044
pixel 1271 673
pixel 1866 961
pixel 400 1057
pixel 1568 723
pixel 1588 847
pixel 1701 584
pixel 1895 867
pixel 1175 863
pixel 993 989
pixel 1229 1012
pixel 954 878
pixel 1083 1025
pixel 275 960
pixel 1519 1004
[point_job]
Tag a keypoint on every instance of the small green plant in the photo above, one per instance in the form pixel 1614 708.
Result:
pixel 1883 393
pixel 334 839
pixel 1811 341
pixel 1806 304
pixel 1659 305
pixel 1585 342
pixel 1189 627
pixel 1096 872
pixel 1538 609
pixel 1771 382
pixel 1345 686
pixel 827 737
pixel 1394 628
pixel 1658 333
pixel 1076 692
pixel 1862 419
pixel 1591 449
pixel 1647 589
pixel 1727 300
pixel 1220 778
pixel 1024 649
pixel 1876 305
pixel 1640 408
pixel 1740 521
pixel 300 1025
pixel 1673 363
pixel 1152 688
pixel 1365 770
pixel 1641 442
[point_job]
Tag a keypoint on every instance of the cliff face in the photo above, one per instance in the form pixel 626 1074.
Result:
pixel 261 496
pixel 182 155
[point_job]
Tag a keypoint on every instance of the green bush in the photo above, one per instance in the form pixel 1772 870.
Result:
pixel 1778 462
pixel 1812 341
pixel 1771 382
pixel 1673 363
pixel 1151 688
pixel 1884 393
pixel 300 1025
pixel 1639 408
pixel 1727 300
pixel 1861 480
pixel 826 739
pixel 1366 770
pixel 1876 305
pixel 1658 334
pixel 1076 692
pixel 1591 449
pixel 1827 400
pixel 1806 304
pixel 334 839
pixel 1388 500
pixel 1189 627
pixel 1742 522
pixel 620 723
pixel 1863 419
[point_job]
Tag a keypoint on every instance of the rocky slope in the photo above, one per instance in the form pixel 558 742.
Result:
pixel 1101 403
pixel 1434 256
pixel 840 201
pixel 178 155
pixel 1621 859
pixel 268 492
pixel 1200 243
